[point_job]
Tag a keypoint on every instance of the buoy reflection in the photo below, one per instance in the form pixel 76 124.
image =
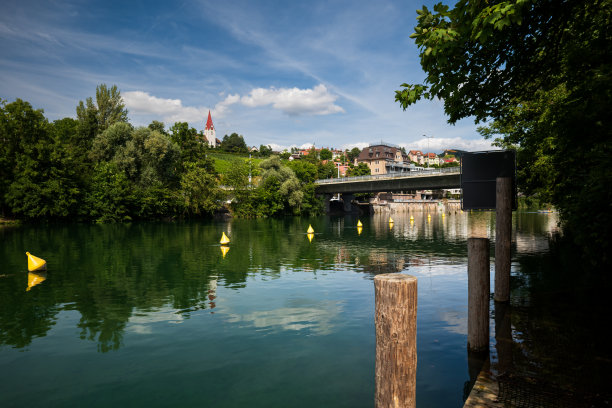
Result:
pixel 310 236
pixel 359 229
pixel 35 278
pixel 224 250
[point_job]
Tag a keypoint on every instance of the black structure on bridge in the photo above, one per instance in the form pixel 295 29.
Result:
pixel 435 179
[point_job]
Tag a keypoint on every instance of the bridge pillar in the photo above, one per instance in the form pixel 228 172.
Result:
pixel 348 199
pixel 326 202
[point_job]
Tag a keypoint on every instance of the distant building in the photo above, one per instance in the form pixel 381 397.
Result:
pixel 210 135
pixel 383 159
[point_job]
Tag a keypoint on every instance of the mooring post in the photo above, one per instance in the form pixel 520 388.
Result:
pixel 396 355
pixel 478 294
pixel 503 237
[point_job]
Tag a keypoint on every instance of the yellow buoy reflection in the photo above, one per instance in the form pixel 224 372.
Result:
pixel 224 239
pixel 310 236
pixel 359 229
pixel 35 263
pixel 224 250
pixel 310 230
pixel 35 278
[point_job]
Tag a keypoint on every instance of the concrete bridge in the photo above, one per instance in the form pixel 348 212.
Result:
pixel 434 179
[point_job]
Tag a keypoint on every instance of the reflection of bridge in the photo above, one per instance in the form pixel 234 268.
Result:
pixel 433 179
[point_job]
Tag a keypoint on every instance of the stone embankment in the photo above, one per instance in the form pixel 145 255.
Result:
pixel 428 206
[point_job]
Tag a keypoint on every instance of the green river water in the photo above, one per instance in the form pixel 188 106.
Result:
pixel 153 314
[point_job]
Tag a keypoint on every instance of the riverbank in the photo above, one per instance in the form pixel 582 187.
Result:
pixel 408 206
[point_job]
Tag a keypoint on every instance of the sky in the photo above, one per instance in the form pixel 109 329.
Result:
pixel 280 73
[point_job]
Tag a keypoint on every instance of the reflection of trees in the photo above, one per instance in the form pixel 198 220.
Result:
pixel 110 273
pixel 559 310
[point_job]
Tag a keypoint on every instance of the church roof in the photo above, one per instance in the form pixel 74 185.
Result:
pixel 209 124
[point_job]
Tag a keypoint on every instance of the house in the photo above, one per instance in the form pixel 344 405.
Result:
pixel 384 158
pixel 416 156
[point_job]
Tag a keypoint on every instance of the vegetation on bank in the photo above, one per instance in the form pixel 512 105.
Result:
pixel 98 167
pixel 538 73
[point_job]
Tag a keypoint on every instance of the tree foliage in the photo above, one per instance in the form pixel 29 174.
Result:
pixel 539 73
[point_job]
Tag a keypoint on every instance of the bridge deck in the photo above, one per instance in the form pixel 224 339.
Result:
pixel 417 180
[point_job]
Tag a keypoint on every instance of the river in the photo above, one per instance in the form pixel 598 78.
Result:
pixel 156 314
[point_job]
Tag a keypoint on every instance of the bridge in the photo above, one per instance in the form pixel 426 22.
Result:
pixel 433 179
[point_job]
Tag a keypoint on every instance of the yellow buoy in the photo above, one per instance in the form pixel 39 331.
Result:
pixel 224 239
pixel 310 236
pixel 390 220
pixel 35 278
pixel 359 229
pixel 35 263
pixel 310 230
pixel 224 250
pixel 411 218
pixel 359 224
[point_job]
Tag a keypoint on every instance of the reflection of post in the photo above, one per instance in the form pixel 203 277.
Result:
pixel 396 355
pixel 503 232
pixel 503 336
pixel 477 362
pixel 478 294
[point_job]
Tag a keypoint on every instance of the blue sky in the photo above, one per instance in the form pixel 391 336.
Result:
pixel 277 72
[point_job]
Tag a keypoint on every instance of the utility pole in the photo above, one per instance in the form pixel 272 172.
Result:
pixel 428 137
pixel 250 163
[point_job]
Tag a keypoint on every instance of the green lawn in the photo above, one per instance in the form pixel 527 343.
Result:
pixel 224 161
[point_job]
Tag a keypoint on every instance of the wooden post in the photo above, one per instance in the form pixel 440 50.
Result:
pixel 478 294
pixel 503 232
pixel 396 355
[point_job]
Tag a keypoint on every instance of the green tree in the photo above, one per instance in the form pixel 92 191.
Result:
pixel 325 154
pixel 200 191
pixel 159 126
pixel 234 143
pixel 361 169
pixel 110 197
pixel 352 154
pixel 538 72
pixel 108 109
pixel 265 151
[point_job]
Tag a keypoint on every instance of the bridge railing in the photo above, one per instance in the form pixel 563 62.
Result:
pixel 416 173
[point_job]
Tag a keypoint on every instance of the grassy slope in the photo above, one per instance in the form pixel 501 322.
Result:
pixel 224 161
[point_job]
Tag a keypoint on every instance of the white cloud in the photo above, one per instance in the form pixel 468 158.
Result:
pixel 294 101
pixel 442 143
pixel 171 110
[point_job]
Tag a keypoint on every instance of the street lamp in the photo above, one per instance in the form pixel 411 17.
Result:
pixel 428 137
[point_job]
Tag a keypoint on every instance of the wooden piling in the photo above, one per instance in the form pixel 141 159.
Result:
pixel 478 294
pixel 503 237
pixel 396 355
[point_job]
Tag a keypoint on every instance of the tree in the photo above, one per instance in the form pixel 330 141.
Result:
pixel 361 169
pixel 265 151
pixel 159 126
pixel 522 67
pixel 199 190
pixel 234 143
pixel 325 154
pixel 352 154
pixel 109 109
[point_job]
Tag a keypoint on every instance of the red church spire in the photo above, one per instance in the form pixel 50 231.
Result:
pixel 209 124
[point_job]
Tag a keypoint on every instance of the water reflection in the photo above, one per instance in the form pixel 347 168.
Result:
pixel 298 315
pixel 35 278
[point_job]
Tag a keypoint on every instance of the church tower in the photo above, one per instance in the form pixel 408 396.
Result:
pixel 209 132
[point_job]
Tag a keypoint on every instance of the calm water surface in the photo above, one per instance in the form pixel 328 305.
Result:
pixel 154 314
